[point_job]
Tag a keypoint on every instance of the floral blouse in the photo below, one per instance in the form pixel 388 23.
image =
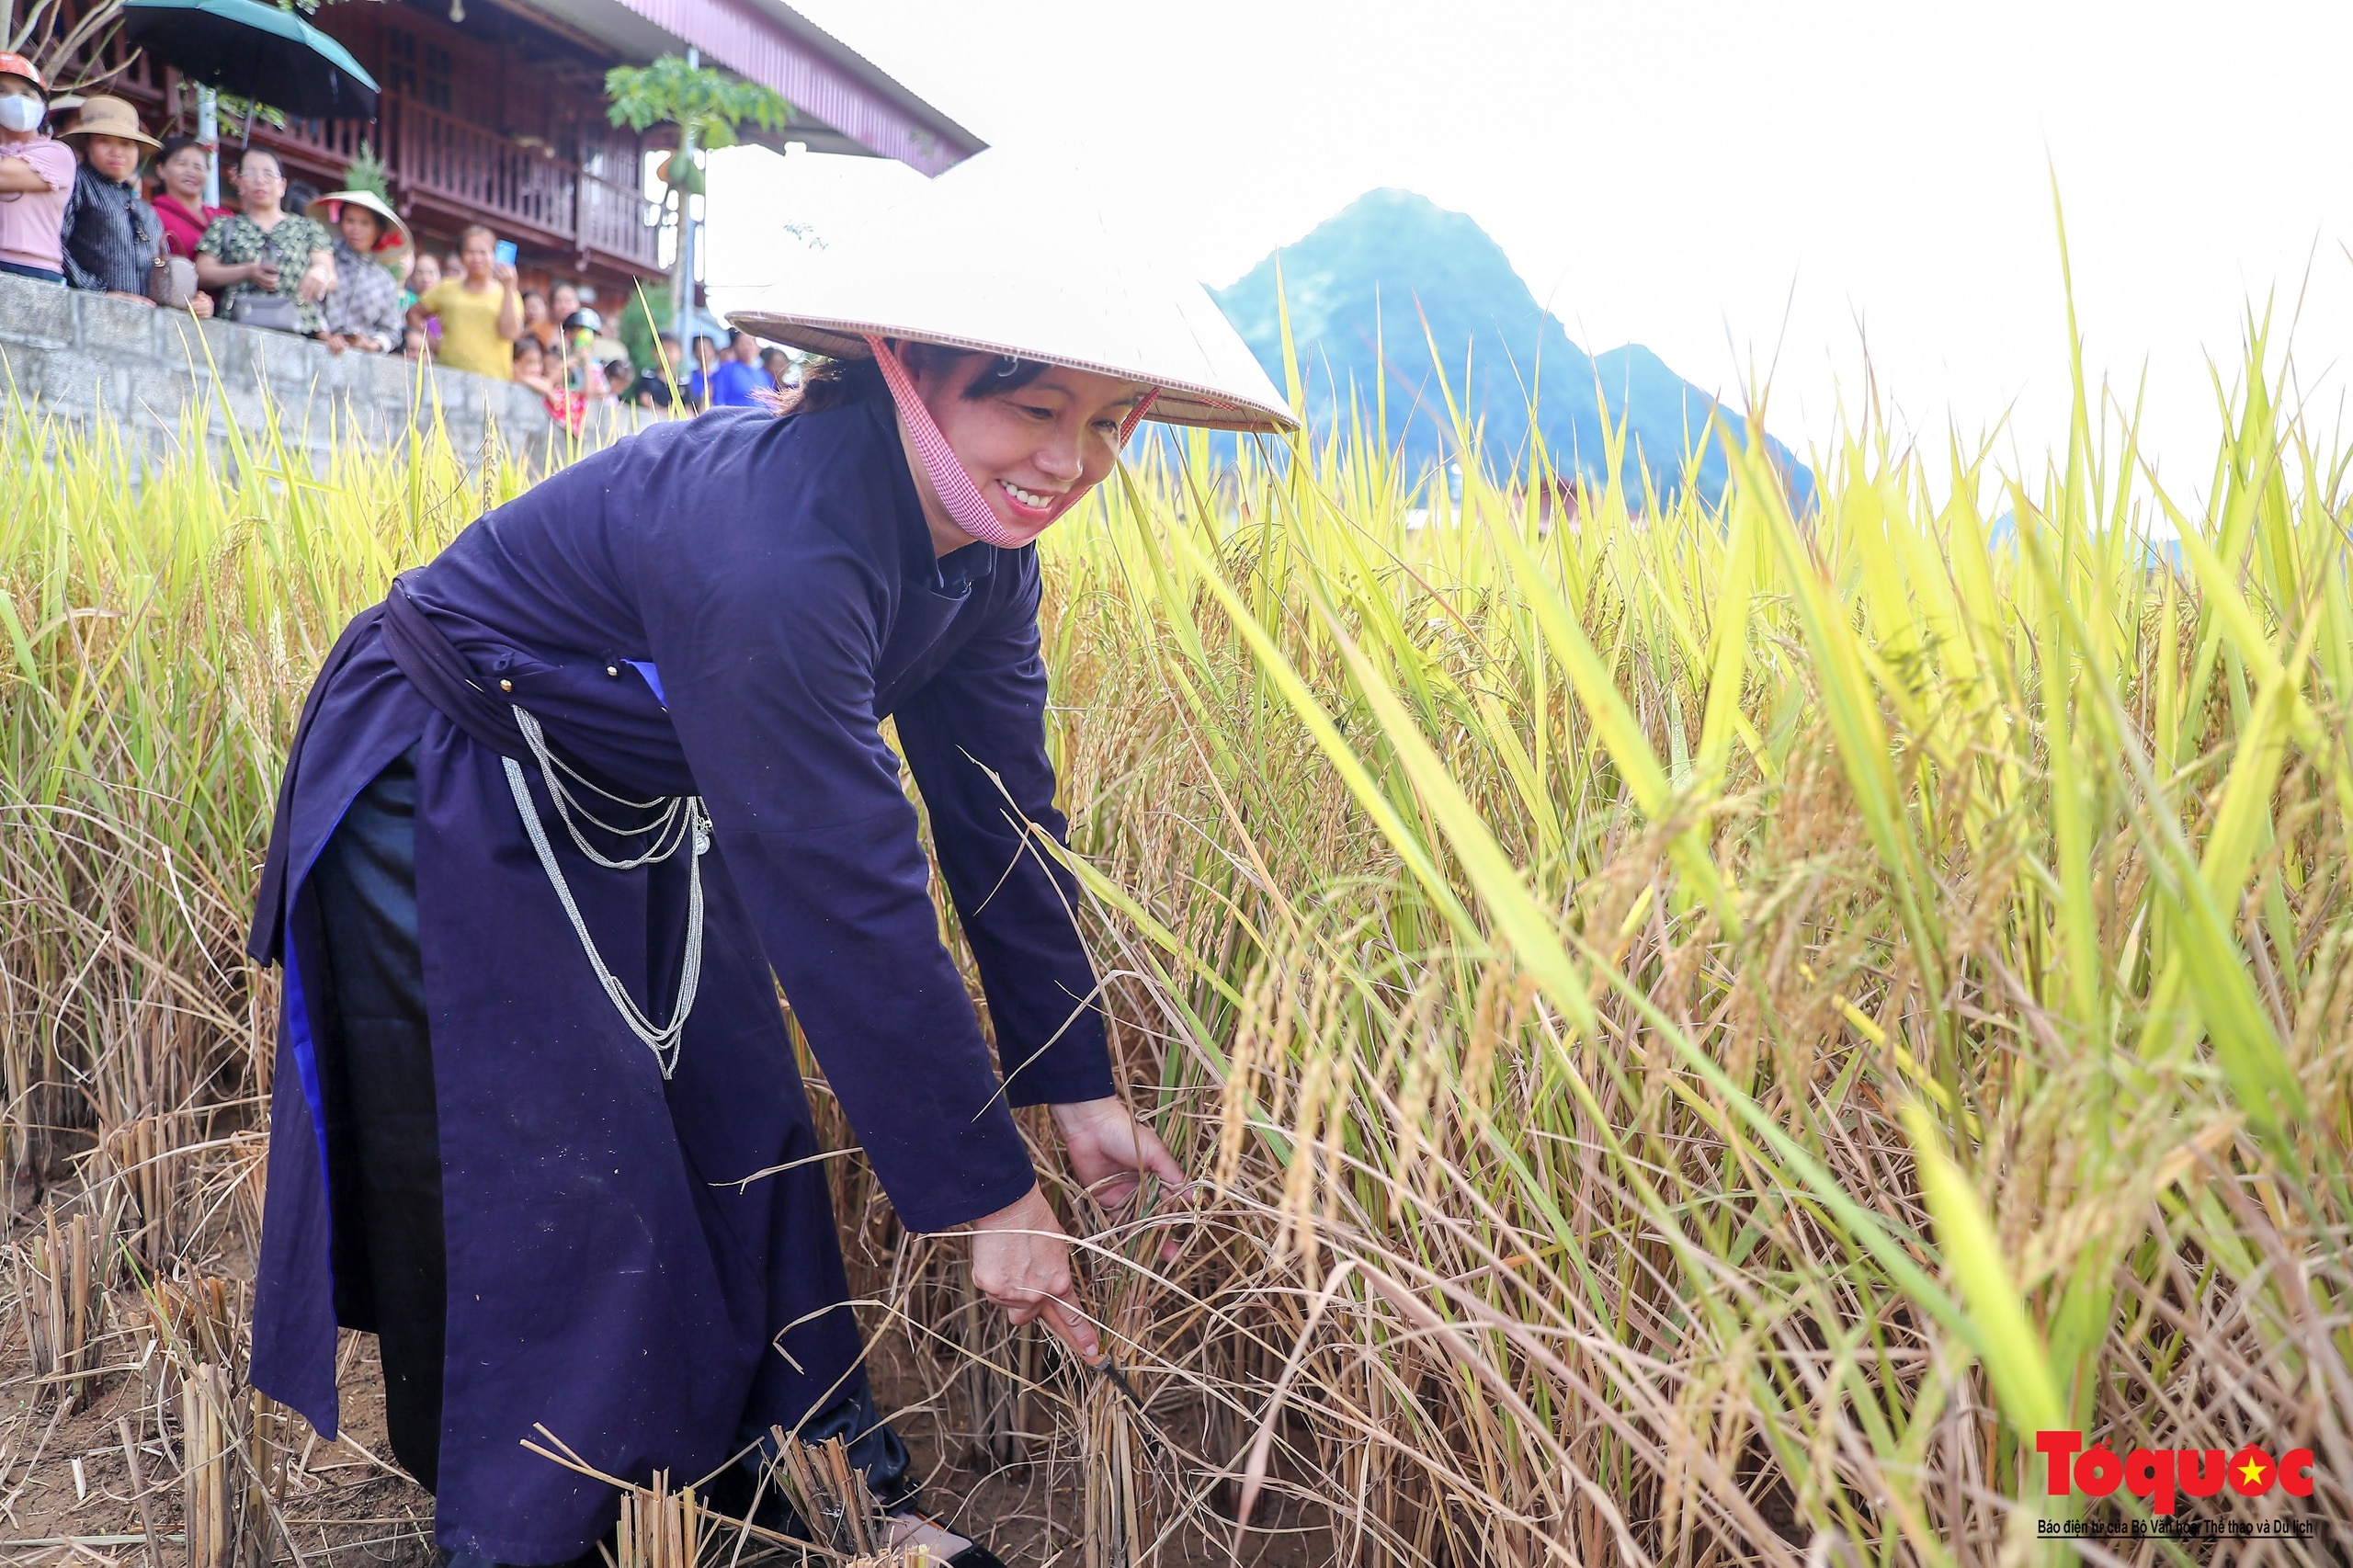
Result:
pixel 237 239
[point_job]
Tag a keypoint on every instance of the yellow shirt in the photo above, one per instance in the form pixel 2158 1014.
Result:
pixel 470 340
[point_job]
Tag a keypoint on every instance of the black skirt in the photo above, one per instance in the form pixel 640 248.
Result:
pixel 376 1076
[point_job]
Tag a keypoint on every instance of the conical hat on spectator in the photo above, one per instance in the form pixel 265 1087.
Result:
pixel 940 268
pixel 328 210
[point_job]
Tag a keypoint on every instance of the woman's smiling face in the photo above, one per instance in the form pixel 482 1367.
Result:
pixel 184 174
pixel 1033 450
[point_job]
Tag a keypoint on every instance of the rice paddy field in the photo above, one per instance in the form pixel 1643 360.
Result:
pixel 1699 1032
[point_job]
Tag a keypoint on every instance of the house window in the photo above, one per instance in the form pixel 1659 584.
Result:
pixel 400 62
pixel 418 72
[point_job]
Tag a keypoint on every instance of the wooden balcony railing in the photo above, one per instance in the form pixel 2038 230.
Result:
pixel 615 220
pixel 462 168
pixel 469 170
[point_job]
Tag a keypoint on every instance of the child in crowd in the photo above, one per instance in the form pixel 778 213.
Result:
pixel 582 373
pixel 544 375
pixel 424 272
pixel 653 388
pixel 531 367
pixel 539 325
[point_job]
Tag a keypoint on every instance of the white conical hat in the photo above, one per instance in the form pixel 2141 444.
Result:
pixel 936 268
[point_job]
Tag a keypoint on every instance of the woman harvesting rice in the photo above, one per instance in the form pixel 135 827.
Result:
pixel 561 803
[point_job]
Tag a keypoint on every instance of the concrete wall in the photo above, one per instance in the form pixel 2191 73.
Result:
pixel 82 357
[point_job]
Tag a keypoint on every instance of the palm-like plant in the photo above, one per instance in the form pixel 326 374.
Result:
pixel 708 107
pixel 367 173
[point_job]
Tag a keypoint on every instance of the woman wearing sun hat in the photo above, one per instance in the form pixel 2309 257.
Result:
pixel 36 176
pixel 112 239
pixel 563 809
pixel 363 311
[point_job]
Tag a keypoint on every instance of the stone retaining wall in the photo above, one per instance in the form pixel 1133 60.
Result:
pixel 83 358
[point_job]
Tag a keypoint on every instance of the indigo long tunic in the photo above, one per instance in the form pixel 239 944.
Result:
pixel 724 607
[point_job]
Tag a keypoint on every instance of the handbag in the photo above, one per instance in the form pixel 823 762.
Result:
pixel 278 313
pixel 171 282
pixel 274 312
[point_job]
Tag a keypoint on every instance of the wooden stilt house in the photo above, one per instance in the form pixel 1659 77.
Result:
pixel 494 111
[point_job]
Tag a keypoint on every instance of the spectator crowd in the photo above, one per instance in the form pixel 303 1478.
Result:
pixel 101 205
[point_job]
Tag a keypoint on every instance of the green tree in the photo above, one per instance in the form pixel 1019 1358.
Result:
pixel 708 107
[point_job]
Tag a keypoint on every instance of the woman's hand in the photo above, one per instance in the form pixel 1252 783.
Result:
pixel 318 279
pixel 1021 1262
pixel 1111 1152
pixel 200 304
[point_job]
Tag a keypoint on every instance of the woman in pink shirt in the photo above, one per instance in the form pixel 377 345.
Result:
pixel 36 176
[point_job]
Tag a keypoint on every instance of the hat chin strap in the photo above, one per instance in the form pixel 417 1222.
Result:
pixel 966 507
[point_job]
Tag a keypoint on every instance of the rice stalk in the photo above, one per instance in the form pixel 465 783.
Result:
pixel 59 1277
pixel 658 1528
pixel 1695 1029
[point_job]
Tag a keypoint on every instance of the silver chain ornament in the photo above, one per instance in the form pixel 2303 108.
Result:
pixel 680 820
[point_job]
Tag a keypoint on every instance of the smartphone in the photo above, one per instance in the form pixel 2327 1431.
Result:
pixel 504 251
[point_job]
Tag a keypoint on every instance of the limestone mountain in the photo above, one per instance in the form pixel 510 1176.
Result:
pixel 1360 287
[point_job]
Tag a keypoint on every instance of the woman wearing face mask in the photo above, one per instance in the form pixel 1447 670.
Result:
pixel 36 178
pixel 271 268
pixel 113 241
pixel 585 787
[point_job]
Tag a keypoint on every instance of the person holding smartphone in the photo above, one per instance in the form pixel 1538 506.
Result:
pixel 270 267
pixel 481 311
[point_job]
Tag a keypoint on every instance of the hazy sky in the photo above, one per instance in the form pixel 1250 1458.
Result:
pixel 1722 182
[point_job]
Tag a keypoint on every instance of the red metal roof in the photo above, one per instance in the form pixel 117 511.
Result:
pixel 768 42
